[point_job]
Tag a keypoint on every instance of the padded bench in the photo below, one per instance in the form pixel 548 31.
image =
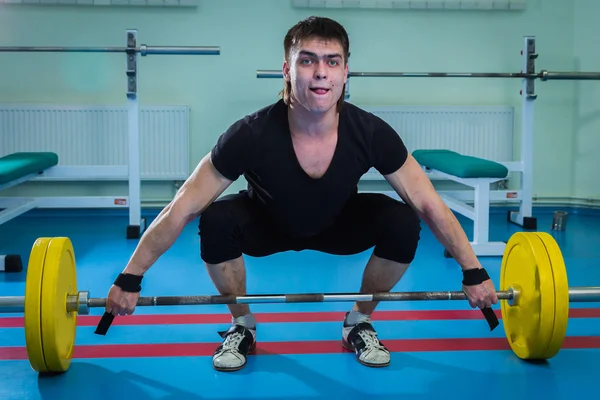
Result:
pixel 20 167
pixel 459 165
pixel 16 168
pixel 477 173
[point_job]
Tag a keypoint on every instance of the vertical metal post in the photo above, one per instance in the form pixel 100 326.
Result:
pixel 524 216
pixel 135 227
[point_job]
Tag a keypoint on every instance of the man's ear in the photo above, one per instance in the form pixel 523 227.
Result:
pixel 346 73
pixel 285 69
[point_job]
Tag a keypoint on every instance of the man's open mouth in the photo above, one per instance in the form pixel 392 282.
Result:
pixel 319 90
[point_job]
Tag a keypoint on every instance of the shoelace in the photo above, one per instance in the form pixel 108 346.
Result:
pixel 370 339
pixel 232 342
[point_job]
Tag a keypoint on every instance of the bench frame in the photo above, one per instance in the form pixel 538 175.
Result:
pixel 18 206
pixel 479 212
pixel 15 206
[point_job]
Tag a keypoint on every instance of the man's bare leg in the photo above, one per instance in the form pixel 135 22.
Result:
pixel 380 275
pixel 229 278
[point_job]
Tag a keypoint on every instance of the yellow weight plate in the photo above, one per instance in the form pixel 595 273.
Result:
pixel 58 325
pixel 526 268
pixel 561 294
pixel 32 317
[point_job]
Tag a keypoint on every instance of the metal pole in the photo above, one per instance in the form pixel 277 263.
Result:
pixel 136 228
pixel 12 304
pixel 543 75
pixel 57 49
pixel 296 298
pixel 524 215
pixel 442 75
pixel 278 74
pixel 262 73
pixel 584 294
pixel 576 294
pixel 143 50
pixel 16 304
pixel 566 76
pixel 180 50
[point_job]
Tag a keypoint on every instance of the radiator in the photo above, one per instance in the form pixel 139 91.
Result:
pixel 97 135
pixel 485 132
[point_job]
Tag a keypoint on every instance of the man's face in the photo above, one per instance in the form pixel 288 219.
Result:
pixel 317 74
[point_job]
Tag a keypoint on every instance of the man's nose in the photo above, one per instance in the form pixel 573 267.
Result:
pixel 320 70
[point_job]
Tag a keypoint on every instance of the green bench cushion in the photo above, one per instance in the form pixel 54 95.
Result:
pixel 17 165
pixel 459 165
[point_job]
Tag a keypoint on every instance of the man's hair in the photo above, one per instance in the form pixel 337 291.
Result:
pixel 315 27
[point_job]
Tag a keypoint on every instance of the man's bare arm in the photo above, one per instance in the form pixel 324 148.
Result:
pixel 202 187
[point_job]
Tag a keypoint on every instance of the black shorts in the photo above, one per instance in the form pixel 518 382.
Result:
pixel 235 225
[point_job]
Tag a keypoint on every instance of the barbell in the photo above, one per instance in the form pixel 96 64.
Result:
pixel 543 75
pixel 143 50
pixel 534 299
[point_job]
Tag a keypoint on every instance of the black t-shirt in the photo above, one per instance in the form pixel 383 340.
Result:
pixel 259 146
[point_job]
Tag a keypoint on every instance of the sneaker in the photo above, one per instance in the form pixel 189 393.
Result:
pixel 362 339
pixel 238 342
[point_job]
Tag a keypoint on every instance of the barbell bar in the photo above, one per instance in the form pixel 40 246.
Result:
pixel 576 294
pixel 542 75
pixel 81 303
pixel 143 50
pixel 533 291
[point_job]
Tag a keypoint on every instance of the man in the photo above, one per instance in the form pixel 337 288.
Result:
pixel 303 157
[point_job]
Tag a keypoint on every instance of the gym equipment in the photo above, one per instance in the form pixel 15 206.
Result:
pixel 11 263
pixel 477 173
pixel 20 165
pixel 459 165
pixel 534 299
pixel 479 212
pixel 132 51
pixel 15 169
pixel 142 50
pixel 542 75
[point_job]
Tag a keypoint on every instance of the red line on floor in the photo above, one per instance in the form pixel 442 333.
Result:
pixel 327 316
pixel 308 347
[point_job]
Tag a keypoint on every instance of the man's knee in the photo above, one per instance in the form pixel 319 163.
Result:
pixel 219 231
pixel 218 219
pixel 400 235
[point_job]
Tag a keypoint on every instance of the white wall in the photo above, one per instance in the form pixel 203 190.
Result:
pixel 585 137
pixel 222 88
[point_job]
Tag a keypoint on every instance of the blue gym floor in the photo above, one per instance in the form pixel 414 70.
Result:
pixel 165 352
